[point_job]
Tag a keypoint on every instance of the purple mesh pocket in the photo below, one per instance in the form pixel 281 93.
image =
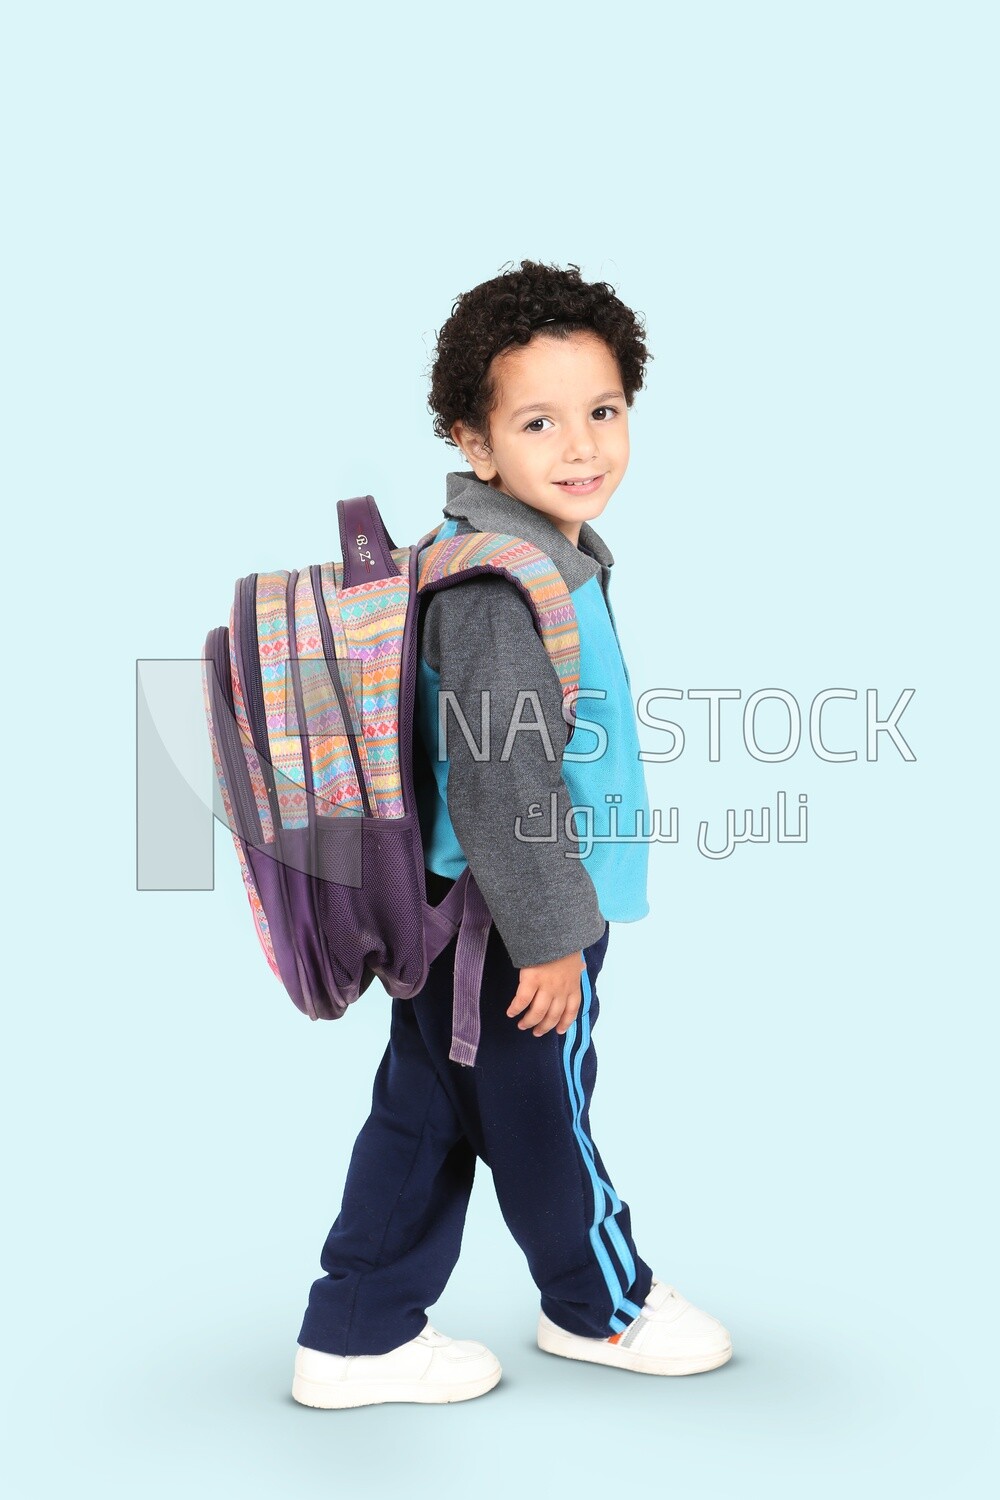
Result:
pixel 374 923
pixel 346 905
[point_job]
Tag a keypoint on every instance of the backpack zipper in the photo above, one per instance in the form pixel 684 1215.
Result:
pixel 330 652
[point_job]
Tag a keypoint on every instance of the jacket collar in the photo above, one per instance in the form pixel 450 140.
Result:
pixel 489 509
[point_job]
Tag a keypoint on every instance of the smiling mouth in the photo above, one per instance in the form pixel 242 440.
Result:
pixel 569 484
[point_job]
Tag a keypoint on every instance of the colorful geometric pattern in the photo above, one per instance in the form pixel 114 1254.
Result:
pixel 246 739
pixel 368 621
pixel 283 732
pixel 366 624
pixel 335 780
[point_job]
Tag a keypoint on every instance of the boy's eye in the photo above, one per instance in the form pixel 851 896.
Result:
pixel 534 426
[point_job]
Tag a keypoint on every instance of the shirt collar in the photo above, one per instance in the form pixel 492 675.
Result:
pixel 489 509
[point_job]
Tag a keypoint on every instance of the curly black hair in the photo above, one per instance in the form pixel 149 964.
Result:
pixel 508 310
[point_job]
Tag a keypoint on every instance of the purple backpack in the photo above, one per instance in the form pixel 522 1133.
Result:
pixel 310 700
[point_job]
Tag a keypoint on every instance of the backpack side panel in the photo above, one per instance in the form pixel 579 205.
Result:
pixel 215 663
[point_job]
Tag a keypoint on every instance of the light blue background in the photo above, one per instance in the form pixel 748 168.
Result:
pixel 232 232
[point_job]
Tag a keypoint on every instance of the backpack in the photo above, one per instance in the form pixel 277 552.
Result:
pixel 310 696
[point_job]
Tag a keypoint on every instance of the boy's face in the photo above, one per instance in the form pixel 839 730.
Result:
pixel 575 428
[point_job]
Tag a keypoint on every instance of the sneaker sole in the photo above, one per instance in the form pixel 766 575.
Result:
pixel 337 1397
pixel 555 1340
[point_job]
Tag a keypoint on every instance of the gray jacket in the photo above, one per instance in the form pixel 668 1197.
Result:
pixel 480 635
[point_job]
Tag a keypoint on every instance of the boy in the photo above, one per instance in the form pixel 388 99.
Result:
pixel 533 376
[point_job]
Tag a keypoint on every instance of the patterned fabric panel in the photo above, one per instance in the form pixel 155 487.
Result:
pixel 284 733
pixel 243 724
pixel 368 621
pixel 528 565
pixel 335 780
pixel 256 906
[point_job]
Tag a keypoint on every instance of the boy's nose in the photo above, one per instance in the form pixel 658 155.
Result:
pixel 582 445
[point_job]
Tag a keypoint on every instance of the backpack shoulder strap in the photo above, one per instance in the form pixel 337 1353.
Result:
pixel 451 559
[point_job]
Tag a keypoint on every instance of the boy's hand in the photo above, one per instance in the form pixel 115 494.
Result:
pixel 549 995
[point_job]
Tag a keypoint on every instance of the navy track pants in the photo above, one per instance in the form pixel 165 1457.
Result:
pixel 523 1109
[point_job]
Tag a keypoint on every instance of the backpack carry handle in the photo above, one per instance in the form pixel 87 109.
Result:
pixel 365 545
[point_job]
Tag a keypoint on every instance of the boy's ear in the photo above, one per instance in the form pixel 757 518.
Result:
pixel 475 449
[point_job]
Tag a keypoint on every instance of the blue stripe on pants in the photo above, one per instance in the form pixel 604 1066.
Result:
pixel 602 1190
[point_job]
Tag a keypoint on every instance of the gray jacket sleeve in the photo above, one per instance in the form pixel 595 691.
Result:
pixel 480 637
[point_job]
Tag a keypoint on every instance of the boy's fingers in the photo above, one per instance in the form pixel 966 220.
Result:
pixel 524 995
pixel 552 1019
pixel 556 1013
pixel 561 1016
pixel 537 1011
pixel 540 1010
pixel 569 1015
pixel 548 1014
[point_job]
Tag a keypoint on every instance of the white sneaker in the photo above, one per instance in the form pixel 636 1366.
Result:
pixel 669 1337
pixel 430 1367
